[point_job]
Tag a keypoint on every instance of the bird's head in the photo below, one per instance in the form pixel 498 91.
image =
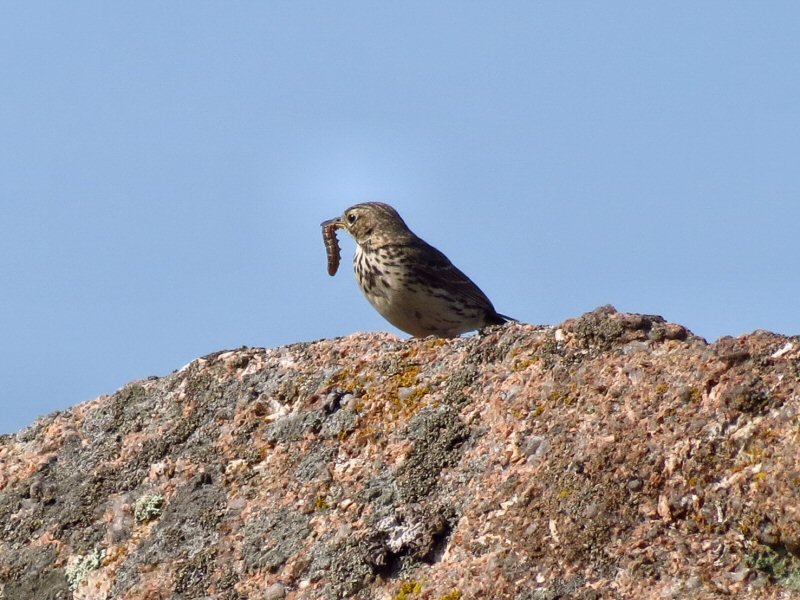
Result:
pixel 372 224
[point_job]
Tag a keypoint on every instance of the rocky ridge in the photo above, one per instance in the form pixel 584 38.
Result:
pixel 612 456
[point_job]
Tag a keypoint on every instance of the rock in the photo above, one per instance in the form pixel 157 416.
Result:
pixel 615 455
pixel 275 592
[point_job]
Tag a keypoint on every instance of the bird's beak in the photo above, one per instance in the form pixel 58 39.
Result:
pixel 335 223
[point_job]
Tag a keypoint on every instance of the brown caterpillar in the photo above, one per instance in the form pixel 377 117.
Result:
pixel 331 245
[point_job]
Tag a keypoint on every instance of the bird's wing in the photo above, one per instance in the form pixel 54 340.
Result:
pixel 437 271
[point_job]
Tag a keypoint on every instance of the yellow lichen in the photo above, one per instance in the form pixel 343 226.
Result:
pixel 408 589
pixel 347 381
pixel 523 364
pixel 435 342
pixel 557 397
pixel 408 377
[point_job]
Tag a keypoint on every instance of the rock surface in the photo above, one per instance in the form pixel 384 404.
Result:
pixel 613 456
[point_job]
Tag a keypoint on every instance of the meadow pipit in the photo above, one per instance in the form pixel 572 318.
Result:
pixel 409 282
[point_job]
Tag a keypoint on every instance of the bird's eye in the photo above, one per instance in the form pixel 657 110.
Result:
pixel 351 218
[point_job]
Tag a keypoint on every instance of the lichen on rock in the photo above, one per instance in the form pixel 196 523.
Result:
pixel 614 455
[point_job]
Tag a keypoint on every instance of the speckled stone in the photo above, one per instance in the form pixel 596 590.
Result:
pixel 612 456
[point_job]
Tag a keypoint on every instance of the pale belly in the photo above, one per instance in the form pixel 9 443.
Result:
pixel 420 312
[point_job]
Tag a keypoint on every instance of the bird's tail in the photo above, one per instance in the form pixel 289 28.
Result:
pixel 498 319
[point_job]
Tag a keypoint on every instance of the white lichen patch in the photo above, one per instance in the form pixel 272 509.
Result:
pixel 78 568
pixel 148 507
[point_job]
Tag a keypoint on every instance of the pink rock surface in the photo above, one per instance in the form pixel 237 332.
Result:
pixel 612 456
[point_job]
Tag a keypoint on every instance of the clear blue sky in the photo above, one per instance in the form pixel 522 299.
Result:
pixel 164 168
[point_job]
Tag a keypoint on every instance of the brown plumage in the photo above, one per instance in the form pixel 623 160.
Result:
pixel 409 282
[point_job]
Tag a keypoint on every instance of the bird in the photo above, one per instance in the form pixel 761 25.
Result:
pixel 410 283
